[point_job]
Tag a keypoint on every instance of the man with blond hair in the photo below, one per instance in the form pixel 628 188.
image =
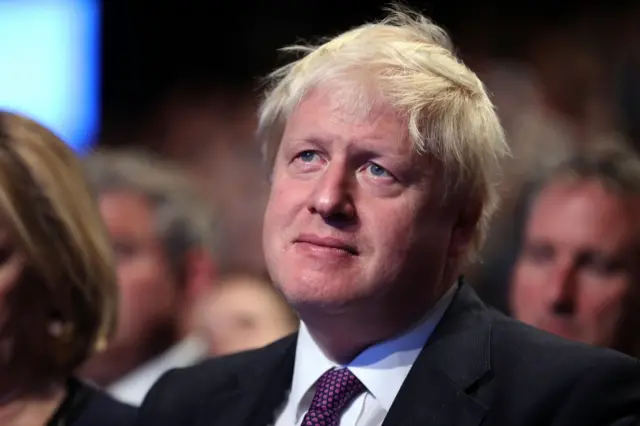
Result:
pixel 383 150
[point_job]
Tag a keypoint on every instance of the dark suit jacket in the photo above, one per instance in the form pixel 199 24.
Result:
pixel 86 405
pixel 479 367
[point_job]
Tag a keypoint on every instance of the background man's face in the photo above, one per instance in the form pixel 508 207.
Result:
pixel 578 262
pixel 147 289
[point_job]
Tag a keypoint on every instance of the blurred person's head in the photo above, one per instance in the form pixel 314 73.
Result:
pixel 164 239
pixel 231 170
pixel 232 174
pixel 58 293
pixel 246 312
pixel 578 269
pixel 384 149
pixel 209 131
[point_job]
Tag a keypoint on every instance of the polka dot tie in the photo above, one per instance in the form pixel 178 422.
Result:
pixel 334 391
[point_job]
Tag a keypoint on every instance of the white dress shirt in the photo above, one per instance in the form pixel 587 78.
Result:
pixel 382 369
pixel 133 387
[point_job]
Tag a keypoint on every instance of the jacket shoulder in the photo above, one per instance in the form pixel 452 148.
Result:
pixel 96 408
pixel 526 346
pixel 177 395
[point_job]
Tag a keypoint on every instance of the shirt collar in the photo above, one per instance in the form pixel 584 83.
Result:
pixel 382 368
pixel 133 387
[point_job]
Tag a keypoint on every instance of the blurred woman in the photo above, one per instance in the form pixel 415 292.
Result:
pixel 57 284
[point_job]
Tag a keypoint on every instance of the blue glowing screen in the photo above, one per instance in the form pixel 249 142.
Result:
pixel 50 64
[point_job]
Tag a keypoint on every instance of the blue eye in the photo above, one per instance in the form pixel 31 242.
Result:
pixel 307 156
pixel 378 171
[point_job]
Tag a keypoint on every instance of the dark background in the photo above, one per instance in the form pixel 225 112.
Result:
pixel 148 50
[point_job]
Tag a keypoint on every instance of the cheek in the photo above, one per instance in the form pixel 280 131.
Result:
pixel 141 275
pixel 526 294
pixel 134 281
pixel 388 226
pixel 417 237
pixel 284 202
pixel 270 229
pixel 524 280
pixel 145 289
pixel 604 300
pixel 9 275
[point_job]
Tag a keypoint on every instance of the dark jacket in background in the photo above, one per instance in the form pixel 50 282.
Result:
pixel 86 405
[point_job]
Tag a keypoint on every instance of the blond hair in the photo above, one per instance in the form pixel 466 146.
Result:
pixel 407 62
pixel 48 209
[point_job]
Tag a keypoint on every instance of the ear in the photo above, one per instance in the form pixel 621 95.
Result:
pixel 200 274
pixel 465 227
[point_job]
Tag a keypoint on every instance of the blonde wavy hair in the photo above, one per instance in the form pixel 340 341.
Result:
pixel 408 62
pixel 49 211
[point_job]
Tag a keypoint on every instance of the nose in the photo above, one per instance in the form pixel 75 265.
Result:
pixel 332 196
pixel 562 290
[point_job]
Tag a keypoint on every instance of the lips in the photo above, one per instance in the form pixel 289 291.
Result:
pixel 328 243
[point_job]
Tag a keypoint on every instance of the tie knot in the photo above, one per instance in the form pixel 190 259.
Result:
pixel 334 391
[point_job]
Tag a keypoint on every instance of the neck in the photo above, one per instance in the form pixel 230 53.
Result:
pixel 343 334
pixel 31 409
pixel 351 337
pixel 185 324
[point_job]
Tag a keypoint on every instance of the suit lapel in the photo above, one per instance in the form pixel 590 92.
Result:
pixel 435 393
pixel 253 396
pixel 456 358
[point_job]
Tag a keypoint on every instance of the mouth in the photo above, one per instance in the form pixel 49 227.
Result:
pixel 328 243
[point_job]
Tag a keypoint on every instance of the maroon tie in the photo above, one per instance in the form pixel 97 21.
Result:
pixel 335 389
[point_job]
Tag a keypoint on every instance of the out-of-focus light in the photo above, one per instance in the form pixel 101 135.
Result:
pixel 50 64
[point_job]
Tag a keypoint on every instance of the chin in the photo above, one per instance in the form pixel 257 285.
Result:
pixel 324 302
pixel 564 331
pixel 326 295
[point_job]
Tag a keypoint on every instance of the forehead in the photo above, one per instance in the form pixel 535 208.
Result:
pixel 331 113
pixel 126 213
pixel 584 213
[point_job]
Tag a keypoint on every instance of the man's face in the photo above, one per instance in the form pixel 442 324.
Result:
pixel 354 214
pixel 578 262
pixel 147 288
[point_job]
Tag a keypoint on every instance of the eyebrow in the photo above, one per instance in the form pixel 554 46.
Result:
pixel 367 146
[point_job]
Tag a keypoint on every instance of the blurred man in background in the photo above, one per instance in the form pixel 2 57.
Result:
pixel 165 243
pixel 577 273
pixel 210 133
